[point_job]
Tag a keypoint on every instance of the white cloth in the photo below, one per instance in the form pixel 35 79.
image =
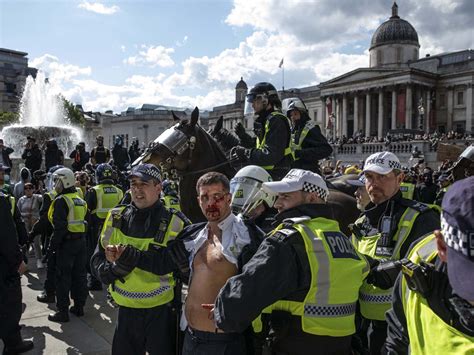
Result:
pixel 235 236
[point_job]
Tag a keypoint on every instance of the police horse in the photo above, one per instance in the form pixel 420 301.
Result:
pixel 186 151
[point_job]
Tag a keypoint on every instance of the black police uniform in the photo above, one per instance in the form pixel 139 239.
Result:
pixel 276 141
pixel 45 228
pixel 283 268
pixel 10 285
pixel 147 329
pixel 71 259
pixel 426 222
pixel 313 148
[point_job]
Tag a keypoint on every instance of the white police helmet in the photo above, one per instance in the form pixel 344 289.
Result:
pixel 246 190
pixel 63 178
pixel 293 103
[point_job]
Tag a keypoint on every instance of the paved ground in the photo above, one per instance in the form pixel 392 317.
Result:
pixel 91 334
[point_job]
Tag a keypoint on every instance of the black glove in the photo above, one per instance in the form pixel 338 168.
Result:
pixel 384 274
pixel 240 153
pixel 127 261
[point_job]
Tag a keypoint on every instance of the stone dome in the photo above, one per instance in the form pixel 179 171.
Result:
pixel 394 30
pixel 241 85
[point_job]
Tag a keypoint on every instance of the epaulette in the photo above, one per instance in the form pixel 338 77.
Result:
pixel 416 205
pixel 284 234
pixel 181 215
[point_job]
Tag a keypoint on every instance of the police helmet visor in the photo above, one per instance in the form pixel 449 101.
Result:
pixel 246 195
pixel 173 139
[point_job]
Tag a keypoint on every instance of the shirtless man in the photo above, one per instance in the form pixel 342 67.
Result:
pixel 217 250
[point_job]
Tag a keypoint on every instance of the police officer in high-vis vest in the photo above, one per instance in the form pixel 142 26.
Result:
pixel 43 227
pixel 433 306
pixel 272 151
pixel 308 145
pixel 390 223
pixel 304 278
pixel 67 215
pixel 139 283
pixel 100 199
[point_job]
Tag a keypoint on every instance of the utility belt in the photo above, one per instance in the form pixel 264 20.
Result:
pixel 74 236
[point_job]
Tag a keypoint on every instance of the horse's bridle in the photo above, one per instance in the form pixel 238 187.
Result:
pixel 177 143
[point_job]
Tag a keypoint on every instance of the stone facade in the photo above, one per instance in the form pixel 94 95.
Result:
pixel 13 73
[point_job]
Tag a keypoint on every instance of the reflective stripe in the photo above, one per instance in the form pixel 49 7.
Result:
pixel 297 146
pixel 375 298
pixel 323 279
pixel 108 229
pixel 333 310
pixel 426 250
pixel 406 225
pixel 71 217
pixel 141 295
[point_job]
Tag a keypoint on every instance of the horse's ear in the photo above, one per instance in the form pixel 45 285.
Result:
pixel 175 118
pixel 194 116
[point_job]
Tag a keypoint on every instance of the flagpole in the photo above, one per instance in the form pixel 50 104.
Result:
pixel 283 77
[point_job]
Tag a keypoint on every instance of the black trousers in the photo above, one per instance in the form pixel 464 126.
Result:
pixel 377 334
pixel 140 330
pixel 197 342
pixel 93 234
pixel 50 281
pixel 71 273
pixel 10 312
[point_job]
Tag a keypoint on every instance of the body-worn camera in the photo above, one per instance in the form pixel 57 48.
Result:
pixel 418 277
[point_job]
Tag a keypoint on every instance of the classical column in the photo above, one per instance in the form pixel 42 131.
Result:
pixel 344 115
pixel 380 116
pixel 394 109
pixel 367 114
pixel 450 99
pixel 356 115
pixel 323 117
pixel 469 117
pixel 428 111
pixel 408 107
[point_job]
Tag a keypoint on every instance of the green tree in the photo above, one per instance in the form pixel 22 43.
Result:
pixel 7 118
pixel 73 114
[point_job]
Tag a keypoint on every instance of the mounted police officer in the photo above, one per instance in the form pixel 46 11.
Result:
pixel 433 306
pixel 100 200
pixel 11 266
pixel 304 278
pixel 390 223
pixel 124 260
pixel 308 145
pixel 272 150
pixel 67 215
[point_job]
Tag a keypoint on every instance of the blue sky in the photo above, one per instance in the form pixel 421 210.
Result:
pixel 114 54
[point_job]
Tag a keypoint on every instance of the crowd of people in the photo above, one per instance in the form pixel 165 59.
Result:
pixel 270 270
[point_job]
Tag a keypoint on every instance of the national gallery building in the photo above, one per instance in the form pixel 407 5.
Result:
pixel 397 90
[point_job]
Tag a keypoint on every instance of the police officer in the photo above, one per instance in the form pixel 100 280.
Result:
pixel 124 260
pixel 249 200
pixel 444 183
pixel 99 153
pixel 308 145
pixel 433 306
pixel 304 278
pixel 389 225
pixel 43 227
pixel 11 266
pixel 100 200
pixel 67 215
pixel 169 195
pixel 407 187
pixel 272 150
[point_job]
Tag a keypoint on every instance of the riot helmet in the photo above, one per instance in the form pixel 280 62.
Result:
pixel 265 93
pixel 63 178
pixel 246 190
pixel 104 172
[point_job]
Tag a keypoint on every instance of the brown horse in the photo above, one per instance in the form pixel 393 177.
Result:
pixel 186 151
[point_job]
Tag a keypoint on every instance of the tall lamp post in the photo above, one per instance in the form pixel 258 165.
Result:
pixel 421 111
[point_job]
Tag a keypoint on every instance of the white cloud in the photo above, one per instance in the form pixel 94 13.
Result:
pixel 318 39
pixel 123 48
pixel 152 56
pixel 98 8
pixel 182 43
